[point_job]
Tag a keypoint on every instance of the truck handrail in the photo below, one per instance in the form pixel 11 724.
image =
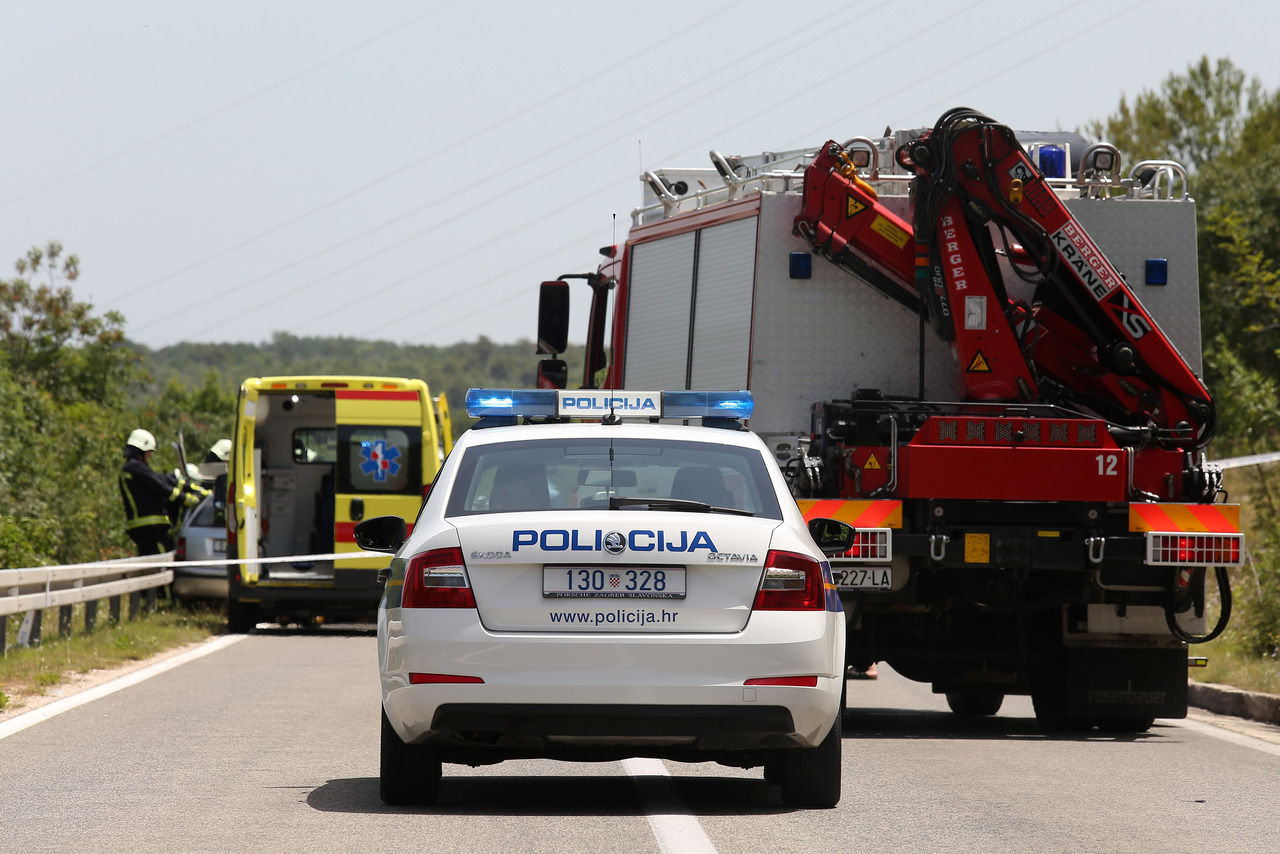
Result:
pixel 669 203
pixel 1167 170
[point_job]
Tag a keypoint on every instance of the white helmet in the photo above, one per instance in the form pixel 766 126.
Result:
pixel 142 440
pixel 221 449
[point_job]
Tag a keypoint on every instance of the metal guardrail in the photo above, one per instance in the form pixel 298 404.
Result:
pixel 34 588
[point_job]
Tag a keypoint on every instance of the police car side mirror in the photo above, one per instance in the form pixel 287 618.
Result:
pixel 381 534
pixel 832 538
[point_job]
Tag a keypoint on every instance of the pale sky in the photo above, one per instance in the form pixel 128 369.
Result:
pixel 409 171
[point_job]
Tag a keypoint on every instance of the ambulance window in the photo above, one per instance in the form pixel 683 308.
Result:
pixel 379 460
pixel 315 445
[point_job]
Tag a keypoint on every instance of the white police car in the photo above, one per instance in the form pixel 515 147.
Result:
pixel 604 590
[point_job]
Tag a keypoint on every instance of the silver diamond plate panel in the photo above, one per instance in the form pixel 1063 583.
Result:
pixel 1129 231
pixel 821 338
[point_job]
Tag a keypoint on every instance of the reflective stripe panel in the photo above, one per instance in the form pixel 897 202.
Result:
pixel 859 514
pixel 1188 518
pixel 144 521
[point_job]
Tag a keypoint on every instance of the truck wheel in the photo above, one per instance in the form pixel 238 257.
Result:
pixel 409 774
pixel 241 616
pixel 1052 716
pixel 974 703
pixel 810 777
pixel 1119 725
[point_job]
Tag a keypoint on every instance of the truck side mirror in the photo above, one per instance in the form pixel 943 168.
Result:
pixel 832 537
pixel 553 319
pixel 381 534
pixel 553 373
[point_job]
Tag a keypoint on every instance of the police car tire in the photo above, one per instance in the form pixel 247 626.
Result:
pixel 409 774
pixel 810 777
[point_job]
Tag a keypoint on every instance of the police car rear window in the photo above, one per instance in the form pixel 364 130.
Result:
pixel 584 474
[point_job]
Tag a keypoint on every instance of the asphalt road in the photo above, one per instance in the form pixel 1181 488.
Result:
pixel 271 743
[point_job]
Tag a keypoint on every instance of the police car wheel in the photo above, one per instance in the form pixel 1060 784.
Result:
pixel 409 773
pixel 810 777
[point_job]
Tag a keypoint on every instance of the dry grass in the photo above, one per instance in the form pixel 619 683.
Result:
pixel 26 672
pixel 1228 666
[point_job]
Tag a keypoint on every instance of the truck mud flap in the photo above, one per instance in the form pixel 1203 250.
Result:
pixel 1126 683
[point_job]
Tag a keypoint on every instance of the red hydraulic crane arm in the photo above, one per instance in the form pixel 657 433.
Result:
pixel 942 276
pixel 1091 336
pixel 841 212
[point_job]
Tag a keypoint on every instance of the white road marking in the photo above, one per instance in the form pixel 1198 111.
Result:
pixel 19 723
pixel 1228 735
pixel 676 829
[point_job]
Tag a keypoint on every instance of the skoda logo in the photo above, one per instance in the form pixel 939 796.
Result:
pixel 615 543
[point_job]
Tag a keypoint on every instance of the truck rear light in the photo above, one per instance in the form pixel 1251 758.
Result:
pixel 871 544
pixel 442 678
pixel 792 582
pixel 1181 549
pixel 437 579
pixel 794 681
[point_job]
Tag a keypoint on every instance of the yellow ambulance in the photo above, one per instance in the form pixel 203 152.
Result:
pixel 311 457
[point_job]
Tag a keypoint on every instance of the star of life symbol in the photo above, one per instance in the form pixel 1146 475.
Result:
pixel 379 460
pixel 614 579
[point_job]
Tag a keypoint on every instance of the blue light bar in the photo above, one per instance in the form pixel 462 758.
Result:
pixel 707 404
pixel 530 402
pixel 594 403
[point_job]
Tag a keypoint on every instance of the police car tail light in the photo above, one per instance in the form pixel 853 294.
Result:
pixel 437 579
pixel 792 582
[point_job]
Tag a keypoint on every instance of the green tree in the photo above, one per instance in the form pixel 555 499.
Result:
pixel 1195 118
pixel 64 376
pixel 50 339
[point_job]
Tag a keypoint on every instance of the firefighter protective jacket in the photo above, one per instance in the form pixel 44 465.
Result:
pixel 148 495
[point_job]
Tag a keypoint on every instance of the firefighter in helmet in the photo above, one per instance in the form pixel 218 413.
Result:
pixel 150 497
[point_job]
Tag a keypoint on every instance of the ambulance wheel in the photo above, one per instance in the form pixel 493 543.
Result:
pixel 810 777
pixel 241 616
pixel 973 704
pixel 409 774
